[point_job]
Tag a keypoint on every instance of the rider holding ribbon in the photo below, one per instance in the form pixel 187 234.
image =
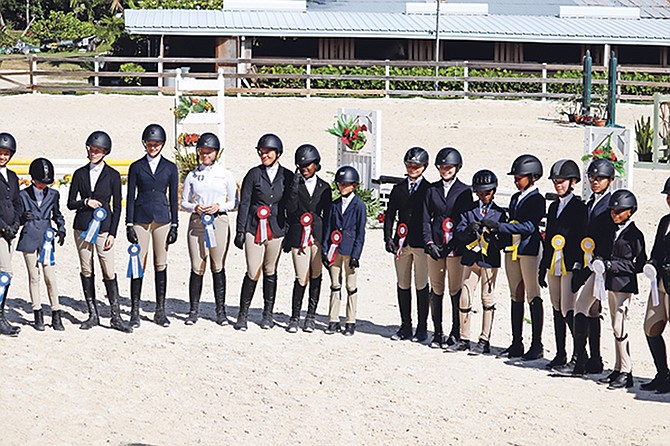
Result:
pixel 94 188
pixel 40 207
pixel 209 194
pixel 405 242
pixel 566 223
pixel 308 206
pixel 151 217
pixel 261 224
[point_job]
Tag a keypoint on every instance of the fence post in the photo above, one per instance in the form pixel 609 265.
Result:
pixel 96 69
pixel 466 84
pixel 33 68
pixel 387 72
pixel 617 98
pixel 309 79
pixel 160 75
pixel 544 81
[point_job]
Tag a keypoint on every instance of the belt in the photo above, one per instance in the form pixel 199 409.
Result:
pixel 218 214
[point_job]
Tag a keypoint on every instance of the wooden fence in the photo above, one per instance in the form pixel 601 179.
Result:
pixel 101 74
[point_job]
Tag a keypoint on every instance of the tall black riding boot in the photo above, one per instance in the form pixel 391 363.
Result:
pixel 436 310
pixel 455 333
pixel 658 352
pixel 219 280
pixel 314 294
pixel 515 350
pixel 135 293
pixel 194 292
pixel 536 350
pixel 422 306
pixel 5 327
pixel 39 320
pixel 579 345
pixel 269 292
pixel 56 321
pixel 405 307
pixel 595 362
pixel 559 332
pixel 88 285
pixel 161 285
pixel 247 293
pixel 117 323
pixel 296 306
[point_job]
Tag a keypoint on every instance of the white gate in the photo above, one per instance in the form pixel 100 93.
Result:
pixel 366 161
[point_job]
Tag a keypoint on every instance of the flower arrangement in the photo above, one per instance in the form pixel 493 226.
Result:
pixel 188 139
pixel 606 151
pixel 67 179
pixel 350 132
pixel 188 105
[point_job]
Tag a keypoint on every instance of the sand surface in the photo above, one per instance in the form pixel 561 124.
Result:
pixel 206 384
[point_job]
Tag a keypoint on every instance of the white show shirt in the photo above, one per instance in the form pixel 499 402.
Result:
pixel 153 162
pixel 346 201
pixel 310 184
pixel 3 172
pixel 447 185
pixel 94 171
pixel 563 202
pixel 272 172
pixel 621 227
pixel 39 195
pixel 208 185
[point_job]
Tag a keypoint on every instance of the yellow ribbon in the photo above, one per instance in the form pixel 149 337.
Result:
pixel 558 243
pixel 480 243
pixel 588 246
pixel 514 247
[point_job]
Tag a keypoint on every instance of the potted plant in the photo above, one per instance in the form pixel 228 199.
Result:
pixel 570 107
pixel 188 105
pixel 606 151
pixel 644 137
pixel 350 132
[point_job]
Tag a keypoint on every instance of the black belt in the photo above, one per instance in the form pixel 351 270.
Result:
pixel 218 214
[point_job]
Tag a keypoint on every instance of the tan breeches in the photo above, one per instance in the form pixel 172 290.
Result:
pixel 522 277
pixel 261 257
pixel 656 318
pixel 197 246
pixel 451 266
pixel 342 263
pixel 156 234
pixel 307 263
pixel 403 268
pixel 49 272
pixel 85 251
pixel 619 314
pixel 560 293
pixel 586 303
pixel 485 279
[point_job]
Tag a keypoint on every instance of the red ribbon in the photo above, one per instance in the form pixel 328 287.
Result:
pixel 447 227
pixel 263 231
pixel 402 235
pixel 335 240
pixel 306 222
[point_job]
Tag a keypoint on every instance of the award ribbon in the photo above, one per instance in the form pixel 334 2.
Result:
pixel 5 280
pixel 514 247
pixel 335 239
pixel 47 256
pixel 588 246
pixel 599 290
pixel 134 265
pixel 210 236
pixel 402 236
pixel 306 222
pixel 263 232
pixel 557 267
pixel 91 234
pixel 650 273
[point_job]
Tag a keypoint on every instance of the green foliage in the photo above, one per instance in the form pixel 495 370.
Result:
pixel 502 87
pixel 62 26
pixel 642 90
pixel 178 4
pixel 132 68
pixel 408 85
pixel 576 88
pixel 373 205
pixel 644 135
pixel 110 29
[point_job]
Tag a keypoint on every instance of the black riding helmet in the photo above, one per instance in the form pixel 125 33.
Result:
pixel 416 155
pixel 8 142
pixel 100 139
pixel 565 169
pixel 154 132
pixel 623 199
pixel 484 180
pixel 42 171
pixel 270 141
pixel 347 174
pixel 666 188
pixel 307 154
pixel 208 141
pixel 601 167
pixel 527 165
pixel 449 156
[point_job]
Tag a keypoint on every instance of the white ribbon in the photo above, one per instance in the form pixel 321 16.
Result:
pixel 91 234
pixel 599 290
pixel 210 236
pixel 134 265
pixel 47 256
pixel 651 274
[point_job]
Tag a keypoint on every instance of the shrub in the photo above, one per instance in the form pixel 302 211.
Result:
pixel 132 68
pixel 62 26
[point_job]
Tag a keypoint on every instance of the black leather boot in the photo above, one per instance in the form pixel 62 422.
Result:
pixel 39 320
pixel 314 294
pixel 269 292
pixel 405 306
pixel 595 362
pixel 219 284
pixel 658 352
pixel 247 293
pixel 194 292
pixel 161 285
pixel 536 350
pixel 455 333
pixel 56 321
pixel 296 306
pixel 579 345
pixel 88 285
pixel 436 310
pixel 6 328
pixel 422 306
pixel 117 323
pixel 515 350
pixel 135 293
pixel 559 333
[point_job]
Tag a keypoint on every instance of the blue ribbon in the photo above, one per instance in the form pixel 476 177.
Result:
pixel 47 256
pixel 91 234
pixel 134 265
pixel 210 236
pixel 5 280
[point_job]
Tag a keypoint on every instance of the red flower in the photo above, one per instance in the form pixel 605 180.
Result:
pixel 356 133
pixel 346 132
pixel 612 156
pixel 345 141
pixel 598 152
pixel 363 128
pixel 381 217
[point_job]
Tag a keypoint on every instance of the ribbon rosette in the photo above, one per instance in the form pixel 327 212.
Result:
pixel 514 247
pixel 651 274
pixel 210 236
pixel 588 246
pixel 134 265
pixel 91 234
pixel 557 267
pixel 479 245
pixel 402 236
pixel 47 256
pixel 5 280
pixel 448 227
pixel 599 290
pixel 335 240
pixel 306 222
pixel 263 232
